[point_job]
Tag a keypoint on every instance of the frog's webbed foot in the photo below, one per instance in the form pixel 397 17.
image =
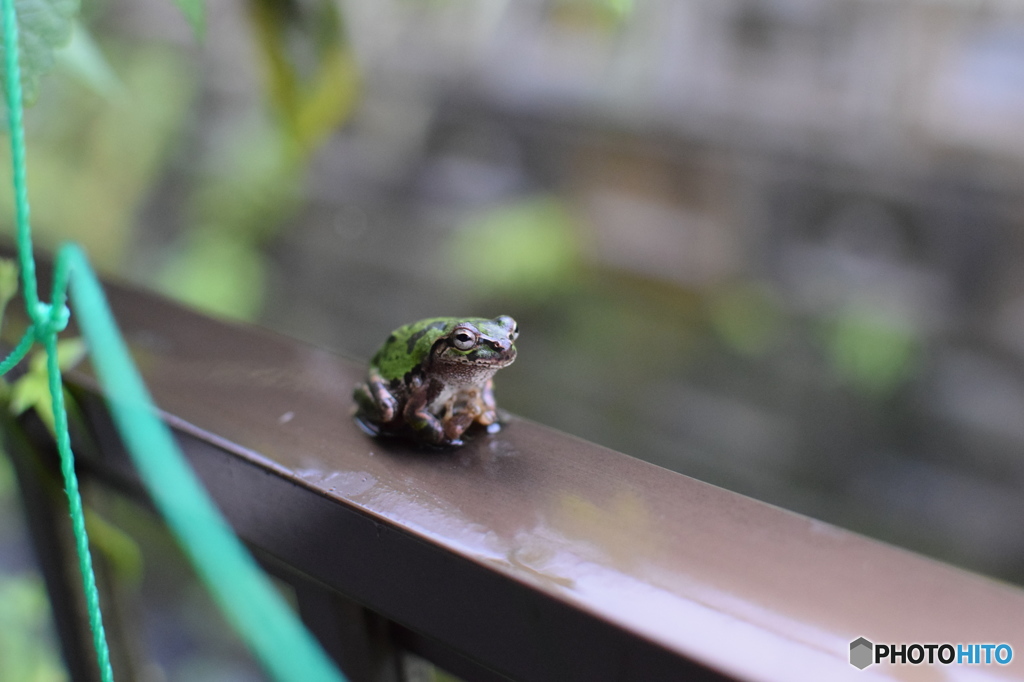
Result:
pixel 456 424
pixel 366 425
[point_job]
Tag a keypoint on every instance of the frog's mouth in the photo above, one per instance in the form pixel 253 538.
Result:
pixel 485 357
pixel 491 358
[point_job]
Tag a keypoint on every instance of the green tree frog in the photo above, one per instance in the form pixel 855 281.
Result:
pixel 433 379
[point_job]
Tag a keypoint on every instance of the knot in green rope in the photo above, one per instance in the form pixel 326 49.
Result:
pixel 49 319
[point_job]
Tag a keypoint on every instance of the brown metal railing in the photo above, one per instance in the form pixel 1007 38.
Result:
pixel 527 555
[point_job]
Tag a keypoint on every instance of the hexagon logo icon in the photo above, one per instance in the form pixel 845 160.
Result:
pixel 860 653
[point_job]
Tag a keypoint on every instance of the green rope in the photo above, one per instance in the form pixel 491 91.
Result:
pixel 248 598
pixel 243 591
pixel 19 352
pixel 67 467
pixel 12 71
pixel 45 330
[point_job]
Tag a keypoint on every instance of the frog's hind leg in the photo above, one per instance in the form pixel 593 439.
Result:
pixel 375 405
pixel 374 399
pixel 385 400
pixel 367 412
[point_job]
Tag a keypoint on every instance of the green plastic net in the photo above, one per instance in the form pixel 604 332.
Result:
pixel 243 591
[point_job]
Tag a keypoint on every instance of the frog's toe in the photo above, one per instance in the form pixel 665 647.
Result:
pixel 386 407
pixel 365 404
pixel 366 426
pixel 443 445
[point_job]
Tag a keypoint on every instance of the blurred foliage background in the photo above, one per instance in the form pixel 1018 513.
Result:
pixel 772 244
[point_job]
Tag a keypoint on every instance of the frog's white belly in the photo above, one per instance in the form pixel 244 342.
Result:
pixel 446 394
pixel 469 388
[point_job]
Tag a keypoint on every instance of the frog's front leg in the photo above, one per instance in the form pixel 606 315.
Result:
pixel 418 416
pixel 489 414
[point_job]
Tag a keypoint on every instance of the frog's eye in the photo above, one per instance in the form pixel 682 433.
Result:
pixel 463 339
pixel 514 334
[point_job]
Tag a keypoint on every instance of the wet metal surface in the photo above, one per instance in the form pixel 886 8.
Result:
pixel 576 552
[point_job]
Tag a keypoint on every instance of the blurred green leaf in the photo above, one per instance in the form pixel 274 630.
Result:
pixel 217 274
pixel 195 12
pixel 90 172
pixel 312 76
pixel 623 9
pixel 33 390
pixel 27 650
pixel 746 317
pixel 8 284
pixel 70 352
pixel 873 354
pixel 44 26
pixel 8 280
pixel 250 198
pixel 117 546
pixel 600 15
pixel 85 61
pixel 217 265
pixel 442 676
pixel 528 249
pixel 28 391
pixel 312 84
pixel 6 479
